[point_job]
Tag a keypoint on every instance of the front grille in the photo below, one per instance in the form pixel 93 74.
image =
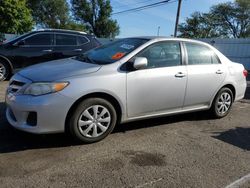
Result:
pixel 15 86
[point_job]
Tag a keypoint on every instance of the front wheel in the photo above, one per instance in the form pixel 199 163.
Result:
pixel 4 71
pixel 222 103
pixel 93 120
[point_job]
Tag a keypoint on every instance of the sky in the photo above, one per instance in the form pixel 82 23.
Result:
pixel 146 22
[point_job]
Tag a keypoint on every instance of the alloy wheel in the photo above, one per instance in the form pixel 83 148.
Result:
pixel 224 103
pixel 2 71
pixel 94 121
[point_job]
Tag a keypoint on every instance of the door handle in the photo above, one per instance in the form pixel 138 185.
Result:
pixel 180 75
pixel 77 50
pixel 219 72
pixel 48 51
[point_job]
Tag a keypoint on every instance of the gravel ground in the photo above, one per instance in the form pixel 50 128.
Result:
pixel 188 150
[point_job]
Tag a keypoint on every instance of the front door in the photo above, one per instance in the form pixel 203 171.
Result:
pixel 161 86
pixel 34 49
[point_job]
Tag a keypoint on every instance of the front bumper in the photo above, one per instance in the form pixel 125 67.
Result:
pixel 51 111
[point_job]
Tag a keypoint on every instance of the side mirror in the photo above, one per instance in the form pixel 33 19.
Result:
pixel 140 63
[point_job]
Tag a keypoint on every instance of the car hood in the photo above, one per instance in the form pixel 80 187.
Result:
pixel 58 69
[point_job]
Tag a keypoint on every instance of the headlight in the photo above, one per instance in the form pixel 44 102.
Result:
pixel 44 88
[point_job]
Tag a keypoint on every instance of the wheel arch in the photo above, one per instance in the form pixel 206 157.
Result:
pixel 5 59
pixel 228 85
pixel 102 95
pixel 232 88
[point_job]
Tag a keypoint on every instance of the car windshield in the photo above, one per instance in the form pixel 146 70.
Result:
pixel 111 52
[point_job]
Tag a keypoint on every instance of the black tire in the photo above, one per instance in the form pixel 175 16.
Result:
pixel 6 70
pixel 217 103
pixel 83 106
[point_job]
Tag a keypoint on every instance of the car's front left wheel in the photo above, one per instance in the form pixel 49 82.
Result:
pixel 93 120
pixel 4 70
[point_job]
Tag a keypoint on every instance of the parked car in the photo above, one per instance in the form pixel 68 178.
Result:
pixel 127 80
pixel 40 46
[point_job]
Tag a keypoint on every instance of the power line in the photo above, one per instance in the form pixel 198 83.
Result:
pixel 143 7
pixel 132 4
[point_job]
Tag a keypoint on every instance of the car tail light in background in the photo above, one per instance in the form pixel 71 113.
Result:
pixel 245 73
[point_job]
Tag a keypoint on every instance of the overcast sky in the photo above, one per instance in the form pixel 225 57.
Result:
pixel 146 22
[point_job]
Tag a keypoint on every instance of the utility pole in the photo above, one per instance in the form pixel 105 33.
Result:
pixel 158 31
pixel 177 18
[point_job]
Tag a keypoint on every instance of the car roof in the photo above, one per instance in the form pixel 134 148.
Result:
pixel 62 31
pixel 162 38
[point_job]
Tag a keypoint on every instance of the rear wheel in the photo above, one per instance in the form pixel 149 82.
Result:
pixel 4 71
pixel 93 120
pixel 222 103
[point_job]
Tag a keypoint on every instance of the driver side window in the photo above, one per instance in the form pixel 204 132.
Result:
pixel 162 54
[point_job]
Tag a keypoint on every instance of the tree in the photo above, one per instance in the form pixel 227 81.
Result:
pixel 73 25
pixel 15 17
pixel 95 14
pixel 50 14
pixel 198 26
pixel 223 20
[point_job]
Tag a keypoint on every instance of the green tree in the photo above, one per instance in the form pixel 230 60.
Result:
pixel 50 13
pixel 95 14
pixel 53 14
pixel 198 26
pixel 223 20
pixel 15 17
pixel 73 25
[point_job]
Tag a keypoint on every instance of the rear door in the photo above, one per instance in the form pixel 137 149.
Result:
pixel 69 45
pixel 205 75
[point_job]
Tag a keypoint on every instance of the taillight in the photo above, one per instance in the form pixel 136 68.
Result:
pixel 245 73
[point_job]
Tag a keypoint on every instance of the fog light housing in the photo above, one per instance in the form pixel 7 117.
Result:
pixel 32 119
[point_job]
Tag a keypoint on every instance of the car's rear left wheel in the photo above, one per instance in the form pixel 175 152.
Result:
pixel 93 120
pixel 222 103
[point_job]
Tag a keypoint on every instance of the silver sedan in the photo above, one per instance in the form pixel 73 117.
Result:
pixel 127 80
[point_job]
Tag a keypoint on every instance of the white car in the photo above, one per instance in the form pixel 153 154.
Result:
pixel 127 80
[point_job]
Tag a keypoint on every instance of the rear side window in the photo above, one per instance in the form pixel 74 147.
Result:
pixel 45 39
pixel 66 40
pixel 200 54
pixel 82 40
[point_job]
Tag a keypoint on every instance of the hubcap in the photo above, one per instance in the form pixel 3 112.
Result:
pixel 224 103
pixel 2 71
pixel 94 121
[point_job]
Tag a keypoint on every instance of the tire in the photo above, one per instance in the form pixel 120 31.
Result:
pixel 4 70
pixel 222 103
pixel 87 126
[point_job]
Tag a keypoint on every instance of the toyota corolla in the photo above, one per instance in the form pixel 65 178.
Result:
pixel 126 80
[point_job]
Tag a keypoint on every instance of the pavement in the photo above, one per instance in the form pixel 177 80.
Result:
pixel 190 150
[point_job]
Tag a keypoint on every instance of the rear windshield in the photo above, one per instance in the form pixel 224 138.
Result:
pixel 112 52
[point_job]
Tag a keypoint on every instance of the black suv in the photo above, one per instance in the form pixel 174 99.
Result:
pixel 40 46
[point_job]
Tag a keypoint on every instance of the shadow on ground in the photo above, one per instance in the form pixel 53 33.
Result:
pixel 12 140
pixel 247 94
pixel 239 137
